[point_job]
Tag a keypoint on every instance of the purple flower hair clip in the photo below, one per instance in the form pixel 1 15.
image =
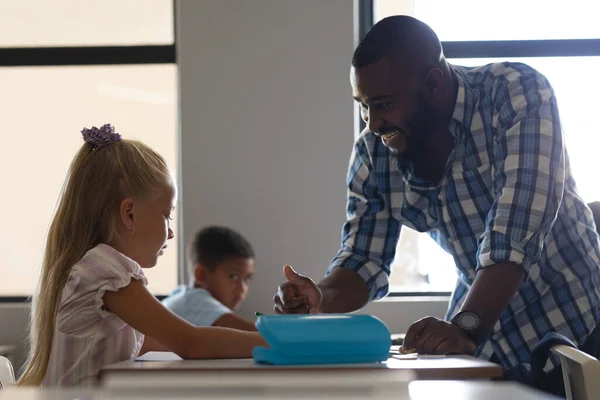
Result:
pixel 100 137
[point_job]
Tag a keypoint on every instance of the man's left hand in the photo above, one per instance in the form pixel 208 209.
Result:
pixel 431 335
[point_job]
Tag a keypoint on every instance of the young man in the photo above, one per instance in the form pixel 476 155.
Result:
pixel 221 264
pixel 475 157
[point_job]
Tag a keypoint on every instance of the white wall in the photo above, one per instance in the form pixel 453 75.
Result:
pixel 267 128
pixel 267 125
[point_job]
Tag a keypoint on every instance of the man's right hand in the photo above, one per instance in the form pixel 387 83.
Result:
pixel 299 295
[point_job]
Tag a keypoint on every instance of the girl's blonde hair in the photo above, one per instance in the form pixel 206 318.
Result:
pixel 87 215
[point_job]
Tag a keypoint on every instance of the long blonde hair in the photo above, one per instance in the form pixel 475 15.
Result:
pixel 97 181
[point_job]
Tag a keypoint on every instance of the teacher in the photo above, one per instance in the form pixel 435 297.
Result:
pixel 476 158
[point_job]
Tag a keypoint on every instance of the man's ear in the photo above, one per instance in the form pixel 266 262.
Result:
pixel 126 214
pixel 434 80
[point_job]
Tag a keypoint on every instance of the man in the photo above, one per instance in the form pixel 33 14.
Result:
pixel 475 157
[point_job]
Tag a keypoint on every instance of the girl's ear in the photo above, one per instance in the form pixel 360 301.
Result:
pixel 126 214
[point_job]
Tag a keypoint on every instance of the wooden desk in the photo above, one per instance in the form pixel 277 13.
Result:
pixel 474 390
pixel 205 373
pixel 417 390
pixel 222 393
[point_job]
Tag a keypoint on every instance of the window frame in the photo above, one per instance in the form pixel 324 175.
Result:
pixel 93 56
pixel 364 21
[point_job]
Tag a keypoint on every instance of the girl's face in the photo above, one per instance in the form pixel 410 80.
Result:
pixel 147 226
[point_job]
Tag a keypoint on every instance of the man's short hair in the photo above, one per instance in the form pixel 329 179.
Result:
pixel 398 36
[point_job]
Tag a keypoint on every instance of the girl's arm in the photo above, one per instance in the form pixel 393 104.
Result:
pixel 235 322
pixel 137 307
pixel 151 345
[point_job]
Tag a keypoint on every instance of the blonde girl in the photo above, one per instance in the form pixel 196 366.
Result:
pixel 92 307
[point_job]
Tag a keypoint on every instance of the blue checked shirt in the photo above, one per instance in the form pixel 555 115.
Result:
pixel 507 195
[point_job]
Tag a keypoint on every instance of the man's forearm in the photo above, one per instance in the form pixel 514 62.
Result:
pixel 343 291
pixel 492 290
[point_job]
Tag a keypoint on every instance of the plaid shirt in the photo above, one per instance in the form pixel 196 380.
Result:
pixel 507 195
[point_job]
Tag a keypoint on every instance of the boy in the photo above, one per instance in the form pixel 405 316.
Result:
pixel 221 263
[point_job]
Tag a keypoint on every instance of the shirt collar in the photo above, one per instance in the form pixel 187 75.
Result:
pixel 459 105
pixel 465 97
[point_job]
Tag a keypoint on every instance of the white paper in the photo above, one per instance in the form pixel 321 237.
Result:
pixel 158 356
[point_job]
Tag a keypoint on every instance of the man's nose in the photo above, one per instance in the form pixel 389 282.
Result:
pixel 373 121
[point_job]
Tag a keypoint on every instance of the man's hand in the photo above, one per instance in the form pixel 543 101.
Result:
pixel 299 295
pixel 431 335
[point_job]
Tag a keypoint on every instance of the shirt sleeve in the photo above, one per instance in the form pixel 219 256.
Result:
pixel 197 306
pixel 112 277
pixel 370 233
pixel 82 308
pixel 529 172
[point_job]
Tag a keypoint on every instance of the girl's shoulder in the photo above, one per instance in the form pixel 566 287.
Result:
pixel 101 269
pixel 105 262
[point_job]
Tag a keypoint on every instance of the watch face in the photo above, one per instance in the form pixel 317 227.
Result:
pixel 468 320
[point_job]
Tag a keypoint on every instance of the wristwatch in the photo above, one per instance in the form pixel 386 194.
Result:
pixel 470 323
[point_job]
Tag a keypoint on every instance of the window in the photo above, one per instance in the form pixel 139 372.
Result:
pixel 558 40
pixel 37 23
pixel 115 63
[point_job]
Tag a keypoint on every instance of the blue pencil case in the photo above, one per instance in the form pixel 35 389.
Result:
pixel 322 339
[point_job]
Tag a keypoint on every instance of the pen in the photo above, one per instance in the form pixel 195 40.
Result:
pixel 258 314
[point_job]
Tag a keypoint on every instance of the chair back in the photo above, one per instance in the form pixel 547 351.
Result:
pixel 7 374
pixel 581 373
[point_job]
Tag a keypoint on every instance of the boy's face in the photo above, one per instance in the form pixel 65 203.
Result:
pixel 229 281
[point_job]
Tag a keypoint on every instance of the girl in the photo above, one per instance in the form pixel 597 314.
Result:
pixel 92 308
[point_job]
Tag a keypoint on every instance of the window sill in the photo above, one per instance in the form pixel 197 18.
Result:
pixel 399 312
pixel 15 299
pixel 24 299
pixel 415 298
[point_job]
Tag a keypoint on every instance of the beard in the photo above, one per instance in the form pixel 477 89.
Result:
pixel 422 129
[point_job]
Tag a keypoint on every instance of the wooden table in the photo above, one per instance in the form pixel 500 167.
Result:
pixel 204 373
pixel 181 394
pixel 474 390
pixel 417 390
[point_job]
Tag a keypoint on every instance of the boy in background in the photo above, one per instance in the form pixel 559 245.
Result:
pixel 221 263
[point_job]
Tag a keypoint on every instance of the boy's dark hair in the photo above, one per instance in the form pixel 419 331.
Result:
pixel 213 244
